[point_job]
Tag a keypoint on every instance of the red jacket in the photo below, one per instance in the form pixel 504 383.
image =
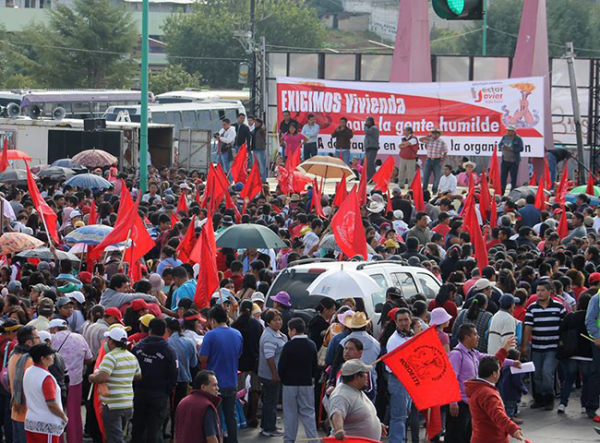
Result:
pixel 489 421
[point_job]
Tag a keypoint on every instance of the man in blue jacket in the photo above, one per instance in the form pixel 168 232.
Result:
pixel 158 363
pixel 511 146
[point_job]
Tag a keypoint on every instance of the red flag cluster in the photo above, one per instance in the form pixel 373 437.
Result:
pixel 49 217
pixel 348 228
pixel 205 253
pixel 383 176
pixel 495 173
pixel 239 168
pixel 417 191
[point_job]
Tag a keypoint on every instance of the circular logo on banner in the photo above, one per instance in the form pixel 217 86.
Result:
pixel 427 363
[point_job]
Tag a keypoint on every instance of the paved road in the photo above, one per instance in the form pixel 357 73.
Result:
pixel 538 427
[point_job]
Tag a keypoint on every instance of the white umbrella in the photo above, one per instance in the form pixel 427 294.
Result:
pixel 80 248
pixel 340 284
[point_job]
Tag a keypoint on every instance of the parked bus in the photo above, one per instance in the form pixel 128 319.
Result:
pixel 192 96
pixel 78 104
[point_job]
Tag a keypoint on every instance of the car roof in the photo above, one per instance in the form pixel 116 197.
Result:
pixel 352 265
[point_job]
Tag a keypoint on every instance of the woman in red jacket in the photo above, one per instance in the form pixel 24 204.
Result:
pixel 488 419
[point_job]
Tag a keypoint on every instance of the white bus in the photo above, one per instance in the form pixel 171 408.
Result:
pixel 192 96
pixel 202 115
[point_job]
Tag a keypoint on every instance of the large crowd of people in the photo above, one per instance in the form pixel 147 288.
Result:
pixel 149 363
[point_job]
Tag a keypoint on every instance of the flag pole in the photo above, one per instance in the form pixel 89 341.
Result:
pixel 123 255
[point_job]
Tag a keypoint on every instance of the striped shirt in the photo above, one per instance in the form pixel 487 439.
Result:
pixel 545 325
pixel 121 366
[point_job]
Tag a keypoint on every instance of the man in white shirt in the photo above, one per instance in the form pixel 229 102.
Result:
pixel 311 239
pixel 225 139
pixel 448 181
pixel 400 401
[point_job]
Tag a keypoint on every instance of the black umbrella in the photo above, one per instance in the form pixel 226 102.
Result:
pixel 56 172
pixel 14 177
pixel 249 236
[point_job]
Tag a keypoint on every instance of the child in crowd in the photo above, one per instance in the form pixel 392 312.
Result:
pixel 512 388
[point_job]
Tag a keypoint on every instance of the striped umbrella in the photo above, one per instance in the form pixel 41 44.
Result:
pixel 94 158
pixel 90 235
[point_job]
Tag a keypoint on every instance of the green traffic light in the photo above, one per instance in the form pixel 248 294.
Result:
pixel 456 6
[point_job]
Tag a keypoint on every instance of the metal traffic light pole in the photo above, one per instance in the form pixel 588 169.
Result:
pixel 485 22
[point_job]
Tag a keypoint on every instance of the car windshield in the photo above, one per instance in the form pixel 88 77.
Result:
pixel 295 284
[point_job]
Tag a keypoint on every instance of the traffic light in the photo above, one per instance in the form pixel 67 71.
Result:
pixel 459 9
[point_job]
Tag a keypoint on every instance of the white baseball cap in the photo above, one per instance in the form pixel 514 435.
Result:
pixel 117 334
pixel 78 296
pixel 57 323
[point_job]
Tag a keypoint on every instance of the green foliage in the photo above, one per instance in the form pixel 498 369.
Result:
pixel 205 41
pixel 173 78
pixel 444 41
pixel 325 7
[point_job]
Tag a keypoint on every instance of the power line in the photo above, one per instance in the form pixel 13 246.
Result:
pixel 549 44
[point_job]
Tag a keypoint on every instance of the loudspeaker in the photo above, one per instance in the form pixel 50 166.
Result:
pixel 94 124
pixel 34 112
pixel 13 110
pixel 59 113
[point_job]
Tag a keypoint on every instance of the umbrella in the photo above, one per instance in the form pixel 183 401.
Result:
pixel 326 167
pixel 64 163
pixel 12 242
pixel 89 181
pixel 46 254
pixel 81 248
pixel 340 284
pixel 94 158
pixel 90 235
pixel 56 172
pixel 524 191
pixel 249 236
pixel 14 177
pixel 578 190
pixel 15 154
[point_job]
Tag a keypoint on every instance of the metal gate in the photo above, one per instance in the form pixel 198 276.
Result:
pixel 194 149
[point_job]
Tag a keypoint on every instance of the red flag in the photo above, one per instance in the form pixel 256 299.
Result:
pixel 383 176
pixel 589 190
pixel 547 177
pixel 348 229
pixel 49 217
pixel 208 278
pixel 493 214
pixel 197 198
pixel 173 220
pixel 316 200
pixel 4 159
pixel 141 244
pixel 495 173
pixel 239 169
pixel 563 227
pixel 284 179
pixel 533 179
pixel 216 187
pixel 125 203
pixel 121 231
pixel 540 196
pixel 299 182
pixel 417 190
pixel 433 418
pixel 485 198
pixel 254 184
pixel 187 243
pixel 182 203
pixel 93 218
pixel 362 184
pixel 341 192
pixel 481 254
pixel 561 191
pixel 389 208
pixel 423 368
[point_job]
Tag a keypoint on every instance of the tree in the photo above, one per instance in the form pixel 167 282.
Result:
pixel 325 7
pixel 205 42
pixel 86 46
pixel 172 78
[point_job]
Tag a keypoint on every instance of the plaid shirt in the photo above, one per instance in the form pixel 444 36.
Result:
pixel 436 148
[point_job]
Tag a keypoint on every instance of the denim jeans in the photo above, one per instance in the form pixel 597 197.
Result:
pixel 459 429
pixel 400 403
pixel 224 162
pixel 432 165
pixel 552 165
pixel 5 418
pixel 511 408
pixel 543 377
pixel 571 368
pixel 310 150
pixel 270 398
pixel 228 398
pixel 115 421
pixel 344 154
pixel 594 394
pixel 261 158
pixel 149 412
pixel 505 169
pixel 371 155
pixel 18 428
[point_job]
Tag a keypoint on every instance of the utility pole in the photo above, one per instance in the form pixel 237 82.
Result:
pixel 252 70
pixel 144 105
pixel 485 23
pixel 570 57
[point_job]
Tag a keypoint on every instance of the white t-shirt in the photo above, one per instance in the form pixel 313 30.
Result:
pixel 448 183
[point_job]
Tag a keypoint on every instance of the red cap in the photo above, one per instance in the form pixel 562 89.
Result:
pixel 557 211
pixel 195 317
pixel 85 277
pixel 114 312
pixel 594 277
pixel 139 304
pixel 392 314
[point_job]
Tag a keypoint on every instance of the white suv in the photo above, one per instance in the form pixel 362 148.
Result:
pixel 411 280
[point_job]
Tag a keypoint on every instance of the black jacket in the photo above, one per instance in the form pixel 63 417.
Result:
pixel 298 362
pixel 242 135
pixel 158 363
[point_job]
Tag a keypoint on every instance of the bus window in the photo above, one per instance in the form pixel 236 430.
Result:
pixel 174 118
pixel 203 118
pixel 159 117
pixel 82 109
pixel 215 120
pixel 189 120
pixel 231 114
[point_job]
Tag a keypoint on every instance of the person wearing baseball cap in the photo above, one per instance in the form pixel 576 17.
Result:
pixel 511 146
pixel 350 410
pixel 118 369
pixel 144 329
pixel 45 310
